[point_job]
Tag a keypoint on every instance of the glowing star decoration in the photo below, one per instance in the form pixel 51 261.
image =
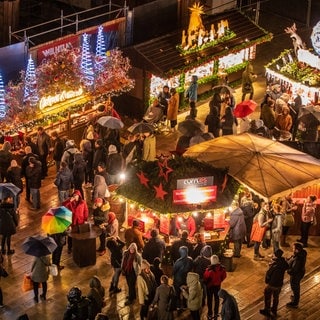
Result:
pixel 86 62
pixel 160 193
pixel 143 179
pixel 30 85
pixel 164 169
pixel 3 107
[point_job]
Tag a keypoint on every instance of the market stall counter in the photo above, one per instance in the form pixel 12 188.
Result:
pixel 84 245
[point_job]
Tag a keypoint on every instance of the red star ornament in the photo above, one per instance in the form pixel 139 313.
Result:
pixel 160 193
pixel 143 179
pixel 164 169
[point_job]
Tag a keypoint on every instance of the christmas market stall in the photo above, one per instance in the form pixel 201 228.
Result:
pixel 216 48
pixel 297 69
pixel 66 90
pixel 175 194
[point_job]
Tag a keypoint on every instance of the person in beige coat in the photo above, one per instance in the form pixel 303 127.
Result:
pixel 147 285
pixel 149 147
pixel 193 293
pixel 173 107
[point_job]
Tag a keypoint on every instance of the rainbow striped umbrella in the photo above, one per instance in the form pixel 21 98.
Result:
pixel 56 220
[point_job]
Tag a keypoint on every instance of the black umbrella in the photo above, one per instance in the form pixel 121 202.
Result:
pixel 39 246
pixel 110 122
pixel 8 189
pixel 191 127
pixel 313 111
pixel 141 127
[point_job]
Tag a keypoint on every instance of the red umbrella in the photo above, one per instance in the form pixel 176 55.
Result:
pixel 244 108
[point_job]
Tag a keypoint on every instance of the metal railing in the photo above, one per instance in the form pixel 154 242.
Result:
pixel 68 24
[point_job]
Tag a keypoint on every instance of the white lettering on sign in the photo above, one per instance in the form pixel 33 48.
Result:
pixel 63 96
pixel 305 56
pixel 54 50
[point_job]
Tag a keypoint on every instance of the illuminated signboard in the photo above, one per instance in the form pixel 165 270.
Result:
pixel 194 195
pixel 48 101
pixel 194 182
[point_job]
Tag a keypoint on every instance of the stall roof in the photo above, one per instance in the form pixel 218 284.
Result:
pixel 161 57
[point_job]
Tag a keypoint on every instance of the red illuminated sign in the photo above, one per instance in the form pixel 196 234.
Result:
pixel 198 195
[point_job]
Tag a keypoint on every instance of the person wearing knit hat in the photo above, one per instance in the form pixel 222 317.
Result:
pixel 213 277
pixel 274 281
pixel 112 227
pixel 147 286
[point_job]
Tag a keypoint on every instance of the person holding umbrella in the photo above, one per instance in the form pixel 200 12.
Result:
pixel 40 274
pixel 40 247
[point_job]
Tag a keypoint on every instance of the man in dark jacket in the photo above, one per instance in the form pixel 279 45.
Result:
pixel 229 310
pixel 180 270
pixel 44 145
pixel 34 175
pixel 274 281
pixel 153 248
pixel 24 165
pixel 179 243
pixel 100 154
pixel 297 269
pixel 57 149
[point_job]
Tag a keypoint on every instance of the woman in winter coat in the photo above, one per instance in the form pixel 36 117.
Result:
pixel 213 121
pixel 149 147
pixel 112 226
pixel 14 175
pixel 99 187
pixel 193 293
pixel 213 277
pixel 79 172
pixel 63 181
pixel 96 297
pixel 227 122
pixel 8 224
pixel 173 107
pixel 130 267
pixel 276 227
pixel 164 293
pixel 307 218
pixel 115 245
pixel 40 274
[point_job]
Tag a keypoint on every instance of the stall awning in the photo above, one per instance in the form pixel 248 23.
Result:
pixel 161 57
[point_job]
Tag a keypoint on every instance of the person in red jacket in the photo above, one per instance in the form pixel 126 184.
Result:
pixel 212 278
pixel 79 209
pixel 186 222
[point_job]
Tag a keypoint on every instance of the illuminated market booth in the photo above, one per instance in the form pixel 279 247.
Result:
pixel 298 69
pixel 65 84
pixel 166 193
pixel 215 48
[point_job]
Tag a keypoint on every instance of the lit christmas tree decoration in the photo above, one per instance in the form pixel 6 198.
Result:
pixel 86 62
pixel 101 45
pixel 3 107
pixel 30 89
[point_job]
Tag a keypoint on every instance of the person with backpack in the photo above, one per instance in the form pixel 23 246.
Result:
pixel 213 277
pixel 63 181
pixel 69 152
